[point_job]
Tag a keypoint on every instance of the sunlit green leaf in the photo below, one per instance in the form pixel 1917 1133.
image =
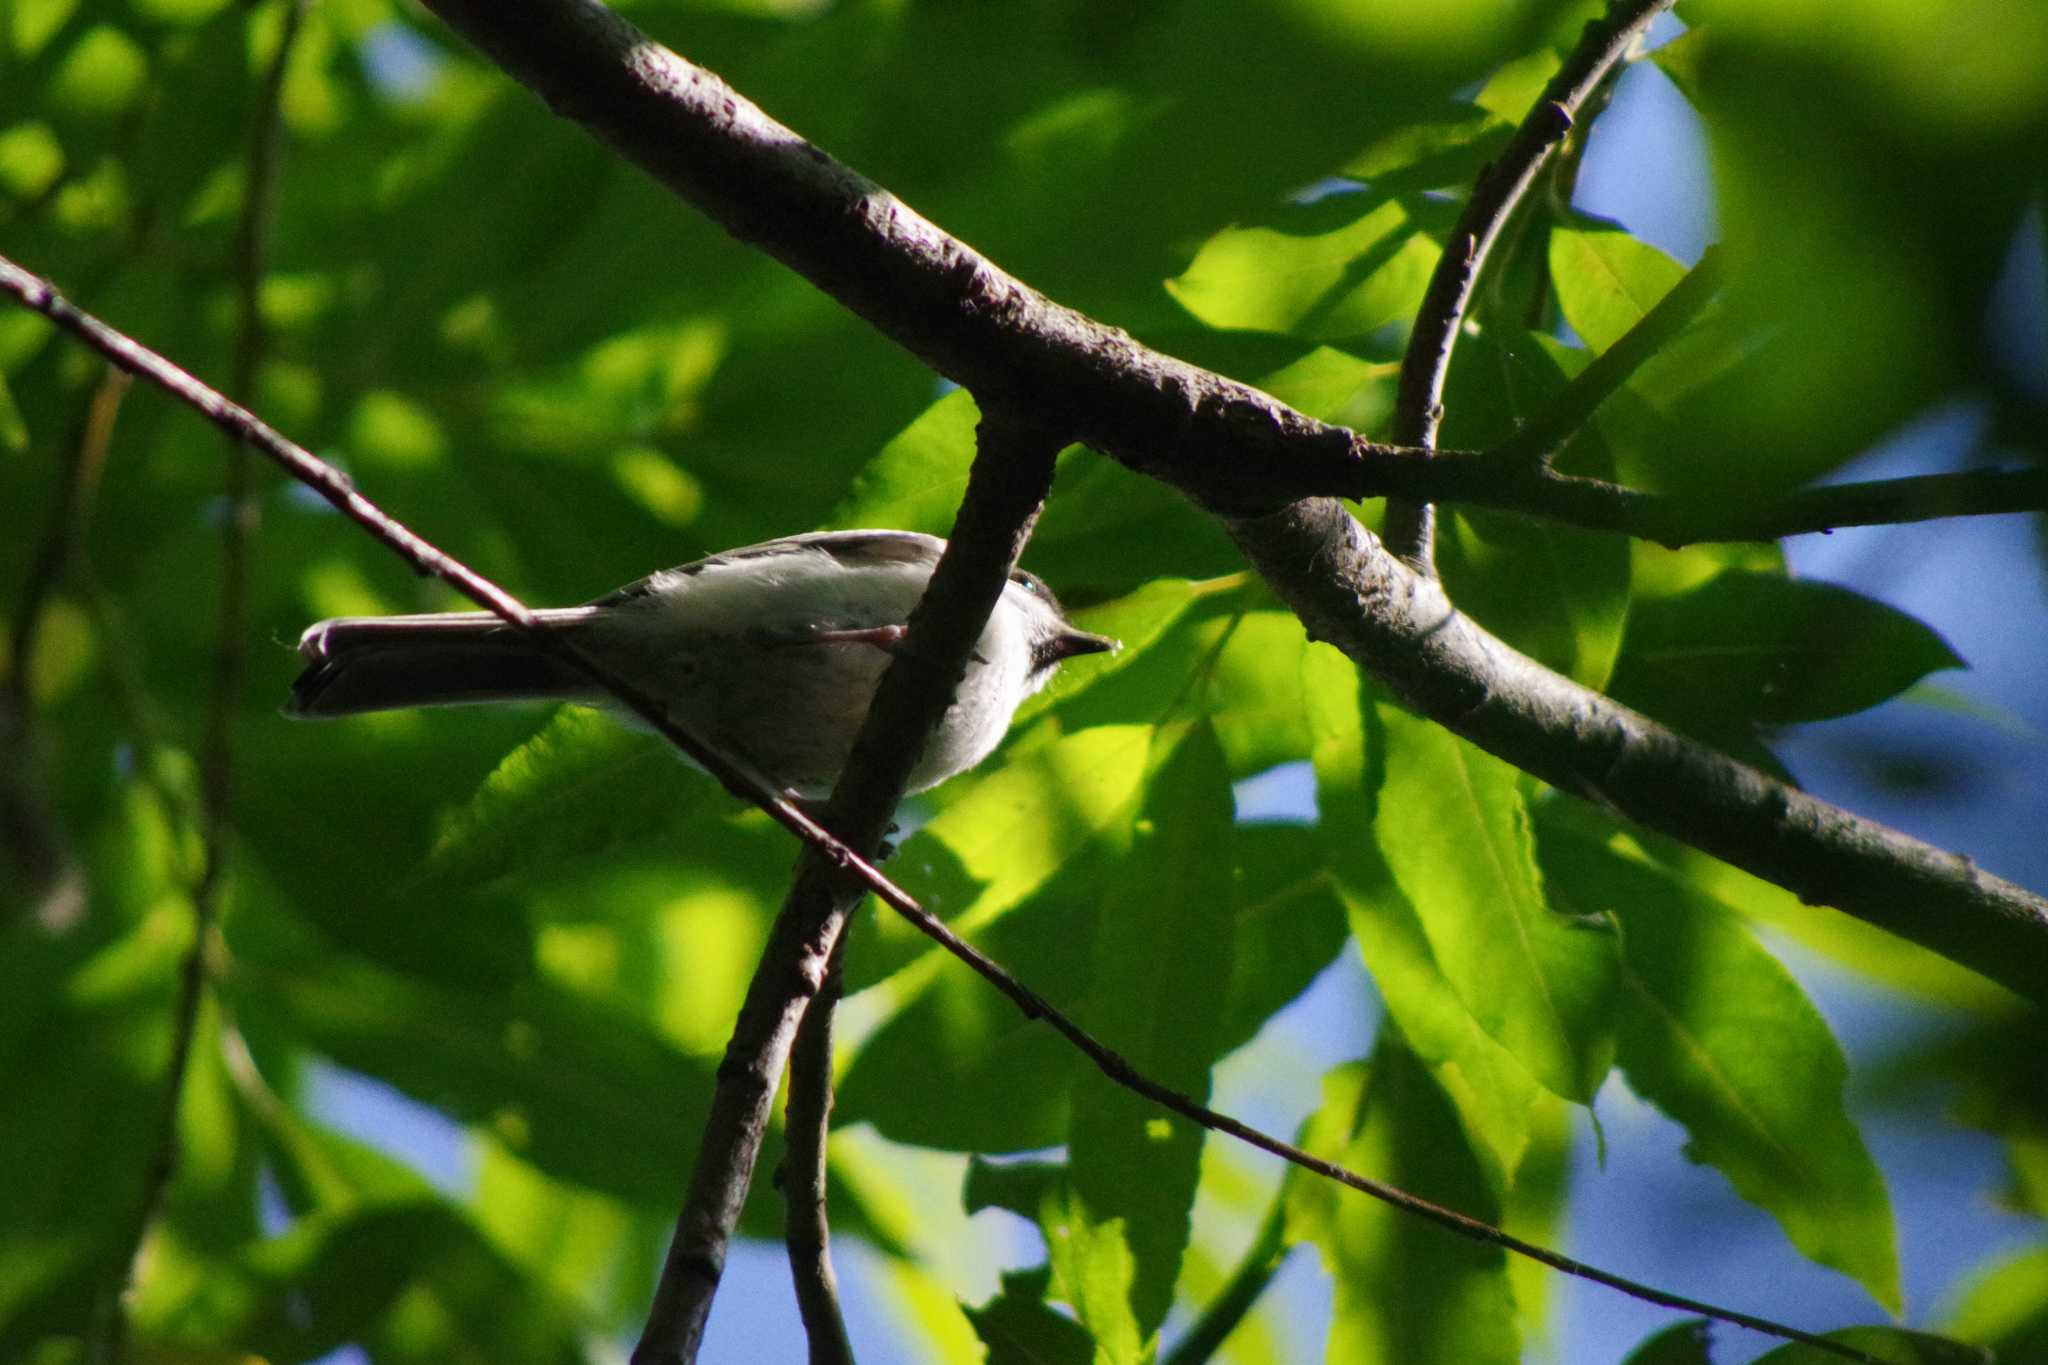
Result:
pixel 1493 1091
pixel 1019 1328
pixel 1453 827
pixel 1607 280
pixel 1308 278
pixel 1162 962
pixel 2007 1308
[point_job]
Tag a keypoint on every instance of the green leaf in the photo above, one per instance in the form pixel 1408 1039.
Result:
pixel 1341 267
pixel 13 429
pixel 1002 838
pixel 364 1274
pixel 1607 280
pixel 580 787
pixel 1718 1035
pixel 1753 647
pixel 1558 594
pixel 1228 657
pixel 915 482
pixel 1492 1090
pixel 1162 972
pixel 1893 1344
pixel 1404 1290
pixel 586 1248
pixel 1021 1187
pixel 1685 1344
pixel 1019 1328
pixel 1453 826
pixel 2007 1308
pixel 1136 621
pixel 561 1079
pixel 1289 924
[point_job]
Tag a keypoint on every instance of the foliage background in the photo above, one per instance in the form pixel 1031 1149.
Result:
pixel 539 927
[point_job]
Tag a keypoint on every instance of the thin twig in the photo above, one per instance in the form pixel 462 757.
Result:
pixel 36 855
pixel 1418 407
pixel 250 261
pixel 1544 435
pixel 1007 484
pixel 807 1120
pixel 1531 487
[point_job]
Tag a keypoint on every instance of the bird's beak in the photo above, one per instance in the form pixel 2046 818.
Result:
pixel 1071 642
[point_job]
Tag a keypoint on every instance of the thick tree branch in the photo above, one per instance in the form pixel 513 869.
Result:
pixel 1418 408
pixel 1005 489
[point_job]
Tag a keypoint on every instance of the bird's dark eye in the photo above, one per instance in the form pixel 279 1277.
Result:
pixel 1029 582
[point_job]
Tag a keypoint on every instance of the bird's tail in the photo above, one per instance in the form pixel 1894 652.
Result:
pixel 385 663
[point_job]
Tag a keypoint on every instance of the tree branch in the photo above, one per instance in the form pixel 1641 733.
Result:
pixel 1402 629
pixel 1235 449
pixel 1005 488
pixel 807 1119
pixel 1418 407
pixel 1513 480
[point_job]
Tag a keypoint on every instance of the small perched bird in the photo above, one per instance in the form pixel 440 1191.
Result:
pixel 770 654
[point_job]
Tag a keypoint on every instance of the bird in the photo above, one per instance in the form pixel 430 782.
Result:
pixel 770 654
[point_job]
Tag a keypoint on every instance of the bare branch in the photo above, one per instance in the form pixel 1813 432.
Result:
pixel 1005 489
pixel 1418 409
pixel 807 1119
pixel 1511 480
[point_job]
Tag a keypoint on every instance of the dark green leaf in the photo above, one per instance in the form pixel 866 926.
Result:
pixel 1405 1291
pixel 1893 1344
pixel 1685 1344
pixel 1019 1328
pixel 1720 1037
pixel 1751 647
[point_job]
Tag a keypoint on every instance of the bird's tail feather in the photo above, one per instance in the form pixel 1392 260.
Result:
pixel 383 663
